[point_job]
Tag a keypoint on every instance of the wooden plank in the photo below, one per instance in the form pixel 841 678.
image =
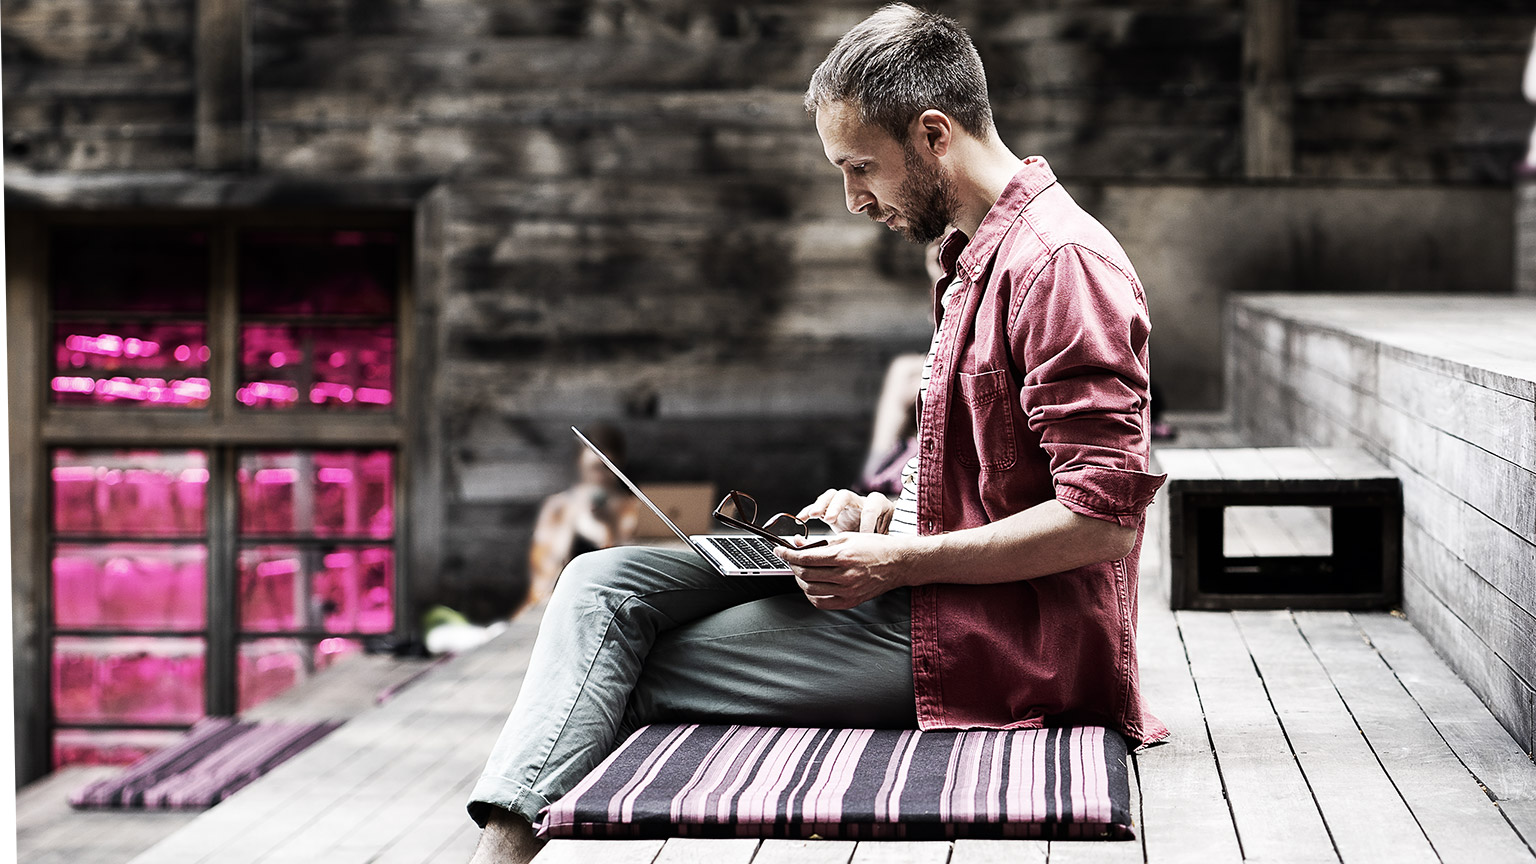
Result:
pixel 606 851
pixel 1186 463
pixel 222 84
pixel 1272 806
pixel 803 852
pixel 1180 784
pixel 1522 815
pixel 1242 463
pixel 1365 815
pixel 999 852
pixel 1348 463
pixel 902 852
pixel 1295 463
pixel 1444 797
pixel 1495 758
pixel 1310 528
pixel 695 850
pixel 1268 36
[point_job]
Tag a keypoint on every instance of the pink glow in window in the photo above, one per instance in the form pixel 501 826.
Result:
pixel 320 493
pixel 136 679
pixel 129 586
pixel 109 746
pixel 340 368
pixel 132 363
pixel 350 589
pixel 319 272
pixel 145 493
pixel 271 667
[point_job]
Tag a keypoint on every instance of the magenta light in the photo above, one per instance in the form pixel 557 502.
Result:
pixel 376 555
pixel 374 395
pixel 338 560
pixel 279 567
pixel 74 384
pixel 278 359
pixel 203 353
pixel 338 359
pixel 182 353
pixel 277 475
pixel 334 475
pixel 194 475
pixel 67 473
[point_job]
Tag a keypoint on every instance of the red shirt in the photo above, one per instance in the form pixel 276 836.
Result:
pixel 1039 391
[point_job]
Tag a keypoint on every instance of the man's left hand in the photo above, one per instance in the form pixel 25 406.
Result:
pixel 851 568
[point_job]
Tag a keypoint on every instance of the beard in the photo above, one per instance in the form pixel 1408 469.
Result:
pixel 928 201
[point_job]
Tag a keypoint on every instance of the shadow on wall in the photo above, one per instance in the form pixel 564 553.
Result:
pixel 1192 246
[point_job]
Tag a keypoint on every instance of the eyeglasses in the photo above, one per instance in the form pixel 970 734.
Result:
pixel 739 510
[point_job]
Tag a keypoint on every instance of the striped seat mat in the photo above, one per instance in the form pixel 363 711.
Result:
pixel 218 757
pixel 753 781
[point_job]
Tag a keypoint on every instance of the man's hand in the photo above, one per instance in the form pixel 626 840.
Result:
pixel 849 511
pixel 851 568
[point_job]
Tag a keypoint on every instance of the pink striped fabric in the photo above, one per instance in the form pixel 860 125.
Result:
pixel 753 781
pixel 218 757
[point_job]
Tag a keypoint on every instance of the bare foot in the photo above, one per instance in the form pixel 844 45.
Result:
pixel 507 839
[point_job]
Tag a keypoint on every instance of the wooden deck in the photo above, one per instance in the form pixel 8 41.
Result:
pixel 1297 737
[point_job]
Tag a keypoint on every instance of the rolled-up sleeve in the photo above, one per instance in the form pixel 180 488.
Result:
pixel 1080 335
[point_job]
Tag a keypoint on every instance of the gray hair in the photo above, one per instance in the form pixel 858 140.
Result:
pixel 900 62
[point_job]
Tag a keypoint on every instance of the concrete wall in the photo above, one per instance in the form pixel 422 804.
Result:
pixel 1443 391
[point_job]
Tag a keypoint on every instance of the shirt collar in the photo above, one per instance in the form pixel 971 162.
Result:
pixel 970 254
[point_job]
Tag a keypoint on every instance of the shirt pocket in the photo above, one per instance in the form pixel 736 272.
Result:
pixel 986 397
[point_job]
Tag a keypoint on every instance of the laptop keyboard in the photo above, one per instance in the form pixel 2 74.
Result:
pixel 749 553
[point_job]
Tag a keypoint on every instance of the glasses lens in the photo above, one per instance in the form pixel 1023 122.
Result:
pixel 739 506
pixel 785 525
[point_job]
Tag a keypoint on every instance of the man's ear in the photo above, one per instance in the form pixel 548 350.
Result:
pixel 933 131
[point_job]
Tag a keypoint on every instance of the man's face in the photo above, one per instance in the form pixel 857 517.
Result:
pixel 885 179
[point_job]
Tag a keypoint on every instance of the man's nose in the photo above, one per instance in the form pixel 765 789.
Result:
pixel 858 198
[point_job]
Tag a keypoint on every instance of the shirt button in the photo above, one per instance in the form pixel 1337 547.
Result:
pixel 928 444
pixel 929 529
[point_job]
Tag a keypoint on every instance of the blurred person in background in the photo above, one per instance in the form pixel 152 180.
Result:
pixel 596 513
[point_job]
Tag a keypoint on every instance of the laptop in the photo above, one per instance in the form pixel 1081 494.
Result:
pixel 731 554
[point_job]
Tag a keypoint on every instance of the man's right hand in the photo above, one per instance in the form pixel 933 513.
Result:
pixel 846 510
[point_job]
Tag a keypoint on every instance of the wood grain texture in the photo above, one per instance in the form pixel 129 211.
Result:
pixel 1366 817
pixel 805 852
pixel 586 851
pixel 690 850
pixel 1272 805
pixel 1445 798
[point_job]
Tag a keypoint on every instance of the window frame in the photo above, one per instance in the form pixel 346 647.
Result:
pixel 222 429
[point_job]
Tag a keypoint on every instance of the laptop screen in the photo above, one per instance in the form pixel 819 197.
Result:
pixel 633 488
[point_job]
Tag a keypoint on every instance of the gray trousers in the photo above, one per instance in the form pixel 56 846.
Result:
pixel 635 635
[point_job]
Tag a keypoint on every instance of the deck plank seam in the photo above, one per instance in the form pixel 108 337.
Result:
pixel 1368 743
pixel 1285 734
pixel 1210 740
pixel 1433 725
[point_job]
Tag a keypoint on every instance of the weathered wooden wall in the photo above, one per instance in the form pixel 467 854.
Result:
pixel 631 217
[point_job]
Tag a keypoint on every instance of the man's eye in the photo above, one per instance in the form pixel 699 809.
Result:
pixel 859 169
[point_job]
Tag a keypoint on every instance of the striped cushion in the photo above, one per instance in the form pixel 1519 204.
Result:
pixel 217 758
pixel 752 781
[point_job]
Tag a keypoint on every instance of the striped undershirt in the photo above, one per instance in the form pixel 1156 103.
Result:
pixel 905 520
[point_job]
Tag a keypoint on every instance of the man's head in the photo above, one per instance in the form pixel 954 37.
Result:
pixel 889 102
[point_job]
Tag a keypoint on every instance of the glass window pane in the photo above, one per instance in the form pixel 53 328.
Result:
pixel 339 589
pixel 286 366
pixel 130 363
pixel 319 272
pixel 137 679
pixel 109 746
pixel 130 492
pixel 271 667
pixel 321 493
pixel 129 269
pixel 129 586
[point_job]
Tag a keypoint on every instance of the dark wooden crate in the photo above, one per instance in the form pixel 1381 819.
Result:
pixel 1364 570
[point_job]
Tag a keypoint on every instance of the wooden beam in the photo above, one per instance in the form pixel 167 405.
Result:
pixel 222 80
pixel 1268 136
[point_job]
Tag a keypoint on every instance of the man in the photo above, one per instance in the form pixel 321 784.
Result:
pixel 1000 590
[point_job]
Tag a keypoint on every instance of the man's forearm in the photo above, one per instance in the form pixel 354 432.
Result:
pixel 1047 538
